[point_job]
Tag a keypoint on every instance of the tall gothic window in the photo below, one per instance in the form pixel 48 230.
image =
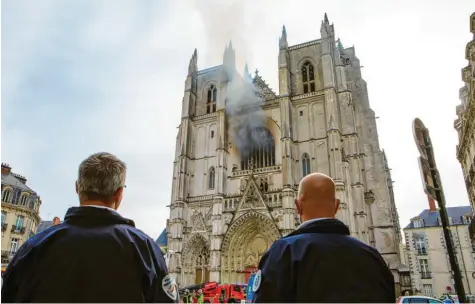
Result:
pixel 211 100
pixel 308 77
pixel 260 152
pixel 211 178
pixel 305 165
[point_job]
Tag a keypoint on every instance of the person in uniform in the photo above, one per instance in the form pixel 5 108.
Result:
pixel 95 255
pixel 320 261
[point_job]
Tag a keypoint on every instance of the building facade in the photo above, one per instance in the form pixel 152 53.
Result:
pixel 427 255
pixel 20 212
pixel 242 149
pixel 43 225
pixel 465 122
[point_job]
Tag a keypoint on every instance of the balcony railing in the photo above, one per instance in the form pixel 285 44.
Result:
pixel 8 253
pixel 4 226
pixel 426 275
pixel 471 230
pixel 18 229
pixel 421 251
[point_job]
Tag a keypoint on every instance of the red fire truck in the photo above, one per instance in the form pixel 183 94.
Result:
pixel 218 293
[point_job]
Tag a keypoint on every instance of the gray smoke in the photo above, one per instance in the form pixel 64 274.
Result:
pixel 245 114
pixel 224 21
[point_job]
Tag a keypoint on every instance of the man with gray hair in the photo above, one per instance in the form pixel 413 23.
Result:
pixel 95 255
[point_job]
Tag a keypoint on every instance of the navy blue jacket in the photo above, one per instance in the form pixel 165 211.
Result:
pixel 321 262
pixel 95 255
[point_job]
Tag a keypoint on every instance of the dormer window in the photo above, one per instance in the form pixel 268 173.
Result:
pixel 466 219
pixel 418 223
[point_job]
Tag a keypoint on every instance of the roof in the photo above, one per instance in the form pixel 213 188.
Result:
pixel 43 225
pixel 430 218
pixel 162 239
pixel 11 180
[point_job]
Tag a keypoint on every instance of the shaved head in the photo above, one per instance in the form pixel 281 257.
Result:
pixel 316 197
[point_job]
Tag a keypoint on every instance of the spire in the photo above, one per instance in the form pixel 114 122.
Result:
pixel 229 60
pixel 325 19
pixel 283 39
pixel 247 76
pixel 193 66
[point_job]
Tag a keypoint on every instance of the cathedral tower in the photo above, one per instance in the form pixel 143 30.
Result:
pixel 242 150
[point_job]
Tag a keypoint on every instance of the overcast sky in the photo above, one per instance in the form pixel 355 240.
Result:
pixel 84 76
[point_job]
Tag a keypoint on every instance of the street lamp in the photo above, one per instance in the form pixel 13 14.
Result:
pixel 433 188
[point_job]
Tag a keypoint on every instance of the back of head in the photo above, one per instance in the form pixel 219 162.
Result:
pixel 101 179
pixel 316 197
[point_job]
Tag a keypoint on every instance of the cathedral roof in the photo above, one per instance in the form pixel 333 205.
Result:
pixel 263 88
pixel 162 239
pixel 431 219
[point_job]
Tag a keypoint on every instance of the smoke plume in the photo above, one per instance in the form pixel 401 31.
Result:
pixel 245 115
pixel 224 21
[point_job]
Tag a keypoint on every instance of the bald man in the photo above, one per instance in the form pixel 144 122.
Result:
pixel 320 261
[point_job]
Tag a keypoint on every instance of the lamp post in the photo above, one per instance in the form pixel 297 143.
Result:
pixel 433 187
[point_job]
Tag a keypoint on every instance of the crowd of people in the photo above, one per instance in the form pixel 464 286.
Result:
pixel 96 255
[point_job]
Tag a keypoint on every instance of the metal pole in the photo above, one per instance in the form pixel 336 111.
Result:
pixel 444 218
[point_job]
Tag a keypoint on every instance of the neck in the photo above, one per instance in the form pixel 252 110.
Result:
pixel 98 203
pixel 314 217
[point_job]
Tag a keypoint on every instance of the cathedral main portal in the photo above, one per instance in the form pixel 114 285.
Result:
pixel 246 241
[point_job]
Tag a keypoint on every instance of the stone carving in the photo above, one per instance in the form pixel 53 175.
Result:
pixel 321 144
pixel 197 222
pixel 243 185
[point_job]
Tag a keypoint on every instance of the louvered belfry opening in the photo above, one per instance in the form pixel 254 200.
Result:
pixel 261 150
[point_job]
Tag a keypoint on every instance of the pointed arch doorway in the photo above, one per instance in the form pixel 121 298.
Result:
pixel 247 240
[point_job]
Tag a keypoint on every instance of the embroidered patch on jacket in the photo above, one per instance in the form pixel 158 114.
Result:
pixel 257 281
pixel 169 287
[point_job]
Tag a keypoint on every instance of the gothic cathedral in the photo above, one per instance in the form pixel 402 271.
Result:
pixel 234 186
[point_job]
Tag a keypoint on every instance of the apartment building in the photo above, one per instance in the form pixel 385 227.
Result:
pixel 427 255
pixel 465 122
pixel 20 212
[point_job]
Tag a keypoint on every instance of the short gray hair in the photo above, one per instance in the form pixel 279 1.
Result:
pixel 100 175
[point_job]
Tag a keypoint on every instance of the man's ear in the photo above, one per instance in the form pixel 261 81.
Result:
pixel 118 197
pixel 77 189
pixel 297 205
pixel 337 205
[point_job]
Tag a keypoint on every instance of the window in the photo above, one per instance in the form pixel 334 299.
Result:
pixel 212 134
pixel 211 178
pixel 308 78
pixel 466 219
pixel 420 243
pixel 14 245
pixel 261 149
pixel 19 222
pixel 6 195
pixel 424 268
pixel 305 165
pixel 23 199
pixel 4 215
pixel 301 113
pixel 417 223
pixel 427 290
pixel 211 100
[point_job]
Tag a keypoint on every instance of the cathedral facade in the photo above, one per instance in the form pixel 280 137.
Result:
pixel 238 163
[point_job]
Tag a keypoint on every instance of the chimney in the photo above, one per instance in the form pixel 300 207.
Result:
pixel 432 207
pixel 6 169
pixel 19 177
pixel 56 221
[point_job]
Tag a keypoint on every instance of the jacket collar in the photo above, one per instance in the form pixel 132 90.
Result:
pixel 95 217
pixel 322 226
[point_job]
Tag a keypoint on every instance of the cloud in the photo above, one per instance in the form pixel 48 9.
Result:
pixel 87 76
